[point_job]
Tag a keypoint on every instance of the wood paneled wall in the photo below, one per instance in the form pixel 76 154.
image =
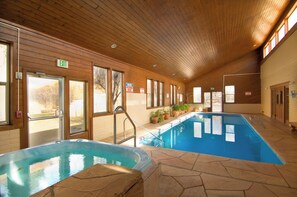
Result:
pixel 39 53
pixel 214 79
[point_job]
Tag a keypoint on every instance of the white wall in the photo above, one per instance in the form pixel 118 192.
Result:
pixel 280 67
pixel 136 108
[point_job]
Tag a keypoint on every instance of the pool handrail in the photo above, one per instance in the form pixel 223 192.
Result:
pixel 115 127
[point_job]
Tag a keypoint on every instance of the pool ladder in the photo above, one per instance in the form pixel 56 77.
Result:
pixel 115 127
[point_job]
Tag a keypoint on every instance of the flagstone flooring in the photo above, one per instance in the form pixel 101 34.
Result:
pixel 189 174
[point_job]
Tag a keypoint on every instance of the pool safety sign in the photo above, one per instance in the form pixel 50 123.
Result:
pixel 129 87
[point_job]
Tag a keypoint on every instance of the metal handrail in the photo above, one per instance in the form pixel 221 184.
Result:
pixel 124 127
pixel 115 127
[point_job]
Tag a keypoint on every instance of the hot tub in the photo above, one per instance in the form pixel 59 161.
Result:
pixel 25 172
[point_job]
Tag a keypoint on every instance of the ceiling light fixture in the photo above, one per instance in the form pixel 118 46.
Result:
pixel 155 65
pixel 113 46
pixel 173 74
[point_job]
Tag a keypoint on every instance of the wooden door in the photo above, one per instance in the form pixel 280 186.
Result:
pixel 278 103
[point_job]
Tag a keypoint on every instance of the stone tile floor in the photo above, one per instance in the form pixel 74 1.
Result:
pixel 189 174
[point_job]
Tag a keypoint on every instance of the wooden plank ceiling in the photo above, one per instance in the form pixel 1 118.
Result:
pixel 185 38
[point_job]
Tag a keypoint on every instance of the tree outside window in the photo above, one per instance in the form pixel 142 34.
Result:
pixel 117 89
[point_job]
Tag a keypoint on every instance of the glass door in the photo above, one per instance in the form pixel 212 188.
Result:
pixel 216 101
pixel 45 97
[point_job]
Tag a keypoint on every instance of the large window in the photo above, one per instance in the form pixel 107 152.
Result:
pixel 148 93
pixel 207 101
pixel 292 19
pixel 77 117
pixel 100 89
pixel 287 24
pixel 154 93
pixel 281 32
pixel 230 94
pixel 117 89
pixel 4 84
pixel 161 92
pixel 197 94
pixel 173 94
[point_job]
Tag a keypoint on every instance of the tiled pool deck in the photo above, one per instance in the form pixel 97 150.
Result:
pixel 192 174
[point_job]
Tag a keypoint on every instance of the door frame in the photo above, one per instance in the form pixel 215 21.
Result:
pixel 272 89
pixel 88 134
pixel 61 81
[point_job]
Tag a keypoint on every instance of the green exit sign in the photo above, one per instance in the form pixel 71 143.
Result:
pixel 62 63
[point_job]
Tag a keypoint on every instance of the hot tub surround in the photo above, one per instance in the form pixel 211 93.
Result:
pixel 28 171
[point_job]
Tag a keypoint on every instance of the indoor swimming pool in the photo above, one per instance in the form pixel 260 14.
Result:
pixel 227 135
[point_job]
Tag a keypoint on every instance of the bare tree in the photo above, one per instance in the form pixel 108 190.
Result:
pixel 116 89
pixel 47 95
pixel 100 78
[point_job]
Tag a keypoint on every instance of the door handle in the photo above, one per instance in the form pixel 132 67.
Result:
pixel 29 117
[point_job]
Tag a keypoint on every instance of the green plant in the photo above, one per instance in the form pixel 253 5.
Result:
pixel 187 106
pixel 176 107
pixel 183 107
pixel 159 112
pixel 161 118
pixel 154 117
pixel 153 114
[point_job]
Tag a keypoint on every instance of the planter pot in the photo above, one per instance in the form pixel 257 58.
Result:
pixel 175 113
pixel 166 116
pixel 155 120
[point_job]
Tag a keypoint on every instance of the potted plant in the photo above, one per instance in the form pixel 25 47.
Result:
pixel 160 114
pixel 175 110
pixel 188 108
pixel 183 108
pixel 166 114
pixel 154 117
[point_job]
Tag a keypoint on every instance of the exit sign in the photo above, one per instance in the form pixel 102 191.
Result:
pixel 62 63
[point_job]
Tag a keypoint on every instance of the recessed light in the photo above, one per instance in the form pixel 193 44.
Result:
pixel 113 46
pixel 173 74
pixel 155 65
pixel 254 45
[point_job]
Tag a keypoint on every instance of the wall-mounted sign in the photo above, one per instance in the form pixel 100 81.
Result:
pixel 248 93
pixel 62 63
pixel 129 87
pixel 141 90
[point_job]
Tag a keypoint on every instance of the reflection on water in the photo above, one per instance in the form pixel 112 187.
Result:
pixel 28 176
pixel 214 127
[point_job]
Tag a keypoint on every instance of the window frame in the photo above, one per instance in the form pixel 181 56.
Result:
pixel 294 9
pixel 151 94
pixel 284 23
pixel 85 97
pixel 6 84
pixel 161 94
pixel 173 94
pixel 199 102
pixel 108 92
pixel 123 90
pixel 155 93
pixel 154 104
pixel 225 96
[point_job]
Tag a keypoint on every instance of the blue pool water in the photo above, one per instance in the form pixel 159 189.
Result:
pixel 25 172
pixel 228 135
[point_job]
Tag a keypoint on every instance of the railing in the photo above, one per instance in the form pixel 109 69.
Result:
pixel 115 127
